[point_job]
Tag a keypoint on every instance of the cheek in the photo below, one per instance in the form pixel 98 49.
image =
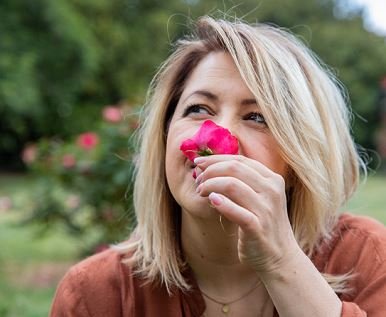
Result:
pixel 278 165
pixel 266 151
pixel 170 142
pixel 173 156
pixel 170 156
pixel 171 177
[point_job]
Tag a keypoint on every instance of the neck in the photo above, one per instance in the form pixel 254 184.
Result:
pixel 210 248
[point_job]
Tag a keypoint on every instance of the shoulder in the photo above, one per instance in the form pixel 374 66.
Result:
pixel 361 234
pixel 102 268
pixel 363 224
pixel 93 287
pixel 358 245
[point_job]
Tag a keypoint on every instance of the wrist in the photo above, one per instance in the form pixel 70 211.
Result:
pixel 288 264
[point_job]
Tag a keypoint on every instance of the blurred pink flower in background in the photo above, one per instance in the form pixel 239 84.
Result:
pixel 88 140
pixel 73 201
pixel 108 214
pixel 112 114
pixel 5 203
pixel 101 247
pixel 29 154
pixel 68 161
pixel 383 82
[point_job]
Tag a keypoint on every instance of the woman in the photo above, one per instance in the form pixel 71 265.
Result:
pixel 256 233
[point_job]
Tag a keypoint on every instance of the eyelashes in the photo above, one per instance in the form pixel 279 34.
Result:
pixel 197 109
pixel 256 117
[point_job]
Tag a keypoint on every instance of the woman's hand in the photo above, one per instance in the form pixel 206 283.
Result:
pixel 252 196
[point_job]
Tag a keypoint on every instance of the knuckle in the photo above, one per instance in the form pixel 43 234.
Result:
pixel 277 185
pixel 249 224
pixel 230 187
pixel 240 158
pixel 279 181
pixel 234 168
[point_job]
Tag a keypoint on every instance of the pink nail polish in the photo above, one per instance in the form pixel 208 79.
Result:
pixel 199 160
pixel 199 179
pixel 216 199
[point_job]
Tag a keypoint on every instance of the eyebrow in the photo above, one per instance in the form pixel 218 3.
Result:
pixel 213 97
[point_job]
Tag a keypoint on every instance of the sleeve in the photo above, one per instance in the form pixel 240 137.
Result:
pixel 68 301
pixel 368 263
pixel 358 249
pixel 350 309
pixel 370 300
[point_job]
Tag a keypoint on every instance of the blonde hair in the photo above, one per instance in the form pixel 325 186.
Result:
pixel 306 113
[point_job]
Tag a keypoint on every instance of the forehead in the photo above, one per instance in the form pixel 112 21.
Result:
pixel 215 64
pixel 218 73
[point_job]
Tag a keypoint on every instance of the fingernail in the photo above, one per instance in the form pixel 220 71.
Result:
pixel 198 189
pixel 199 160
pixel 215 199
pixel 199 179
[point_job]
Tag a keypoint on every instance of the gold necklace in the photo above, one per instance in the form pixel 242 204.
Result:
pixel 225 306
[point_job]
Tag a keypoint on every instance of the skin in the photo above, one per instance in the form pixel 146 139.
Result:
pixel 256 241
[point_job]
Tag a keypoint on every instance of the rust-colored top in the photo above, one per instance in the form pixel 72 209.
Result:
pixel 101 286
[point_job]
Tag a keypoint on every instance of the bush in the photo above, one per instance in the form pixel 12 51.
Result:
pixel 87 181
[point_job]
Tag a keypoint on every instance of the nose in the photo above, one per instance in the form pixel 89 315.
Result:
pixel 228 122
pixel 233 125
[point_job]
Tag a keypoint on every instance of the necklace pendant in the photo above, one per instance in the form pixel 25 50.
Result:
pixel 225 309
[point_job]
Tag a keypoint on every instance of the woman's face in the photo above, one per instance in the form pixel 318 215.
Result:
pixel 216 91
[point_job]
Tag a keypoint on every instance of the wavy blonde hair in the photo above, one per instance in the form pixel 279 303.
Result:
pixel 306 112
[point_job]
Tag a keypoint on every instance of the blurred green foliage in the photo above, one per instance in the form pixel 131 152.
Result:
pixel 86 180
pixel 61 61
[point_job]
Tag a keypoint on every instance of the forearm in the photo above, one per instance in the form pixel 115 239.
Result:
pixel 297 289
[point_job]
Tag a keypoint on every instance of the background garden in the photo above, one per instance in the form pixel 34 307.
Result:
pixel 73 76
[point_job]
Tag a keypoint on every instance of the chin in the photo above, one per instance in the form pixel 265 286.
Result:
pixel 200 207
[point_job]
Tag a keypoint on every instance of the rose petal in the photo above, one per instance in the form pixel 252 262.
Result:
pixel 223 143
pixel 190 149
pixel 210 138
pixel 205 133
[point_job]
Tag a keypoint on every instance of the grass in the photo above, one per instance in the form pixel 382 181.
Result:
pixel 370 199
pixel 31 264
pixel 22 301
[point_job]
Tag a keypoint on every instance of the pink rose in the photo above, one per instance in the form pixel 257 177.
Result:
pixel 210 139
pixel 29 154
pixel 5 203
pixel 383 82
pixel 68 161
pixel 72 201
pixel 112 114
pixel 88 140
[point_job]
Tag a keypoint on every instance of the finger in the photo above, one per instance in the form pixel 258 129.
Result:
pixel 247 221
pixel 204 161
pixel 237 170
pixel 237 191
pixel 197 172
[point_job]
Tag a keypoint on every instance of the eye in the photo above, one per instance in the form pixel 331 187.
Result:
pixel 195 108
pixel 256 117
